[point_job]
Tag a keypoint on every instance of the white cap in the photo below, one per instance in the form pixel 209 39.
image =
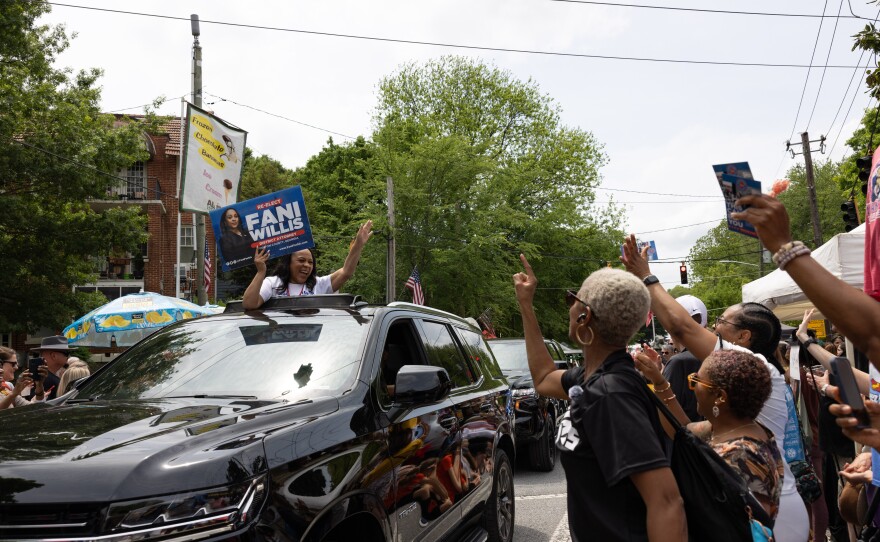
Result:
pixel 694 306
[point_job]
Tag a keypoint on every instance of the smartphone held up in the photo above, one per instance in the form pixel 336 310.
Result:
pixel 34 366
pixel 841 371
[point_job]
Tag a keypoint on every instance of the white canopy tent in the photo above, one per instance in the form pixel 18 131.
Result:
pixel 843 255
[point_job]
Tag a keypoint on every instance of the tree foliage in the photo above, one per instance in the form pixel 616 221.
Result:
pixel 56 150
pixel 483 170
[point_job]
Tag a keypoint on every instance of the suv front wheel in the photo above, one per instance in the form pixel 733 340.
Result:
pixel 542 453
pixel 499 514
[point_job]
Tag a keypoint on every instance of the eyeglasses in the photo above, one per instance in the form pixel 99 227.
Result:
pixel 720 320
pixel 571 298
pixel 693 380
pixel 12 361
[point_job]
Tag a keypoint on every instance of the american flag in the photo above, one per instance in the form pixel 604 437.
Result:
pixel 414 283
pixel 208 268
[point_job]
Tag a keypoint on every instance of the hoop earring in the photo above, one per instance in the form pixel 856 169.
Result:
pixel 586 343
pixel 716 411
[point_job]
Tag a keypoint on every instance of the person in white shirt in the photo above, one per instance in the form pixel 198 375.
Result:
pixel 296 274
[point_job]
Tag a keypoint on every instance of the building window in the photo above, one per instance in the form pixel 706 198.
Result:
pixel 133 183
pixel 6 340
pixel 186 237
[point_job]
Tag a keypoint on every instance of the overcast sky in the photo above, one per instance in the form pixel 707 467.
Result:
pixel 662 124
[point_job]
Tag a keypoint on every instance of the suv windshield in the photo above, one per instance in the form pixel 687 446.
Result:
pixel 511 356
pixel 285 359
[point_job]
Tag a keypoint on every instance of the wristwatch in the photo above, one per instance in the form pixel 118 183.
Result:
pixel 808 342
pixel 650 279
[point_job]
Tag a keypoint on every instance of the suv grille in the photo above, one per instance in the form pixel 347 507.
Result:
pixel 49 520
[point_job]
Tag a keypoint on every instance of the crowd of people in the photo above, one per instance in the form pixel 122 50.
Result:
pixel 729 385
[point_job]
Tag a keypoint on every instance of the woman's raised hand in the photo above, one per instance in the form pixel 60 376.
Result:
pixel 261 256
pixel 649 363
pixel 801 332
pixel 769 217
pixel 364 233
pixel 525 282
pixel 635 262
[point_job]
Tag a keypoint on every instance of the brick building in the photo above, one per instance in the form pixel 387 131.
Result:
pixel 151 185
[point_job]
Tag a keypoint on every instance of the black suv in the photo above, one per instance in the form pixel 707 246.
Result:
pixel 536 415
pixel 316 418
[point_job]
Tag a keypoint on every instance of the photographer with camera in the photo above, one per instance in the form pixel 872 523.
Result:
pixel 10 395
pixel 53 353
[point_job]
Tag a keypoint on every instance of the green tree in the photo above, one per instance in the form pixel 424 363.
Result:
pixel 55 150
pixel 483 170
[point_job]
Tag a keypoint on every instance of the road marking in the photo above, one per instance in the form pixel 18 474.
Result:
pixel 561 533
pixel 539 497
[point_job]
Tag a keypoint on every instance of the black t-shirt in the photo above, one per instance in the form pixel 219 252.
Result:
pixel 610 432
pixel 676 373
pixel 50 384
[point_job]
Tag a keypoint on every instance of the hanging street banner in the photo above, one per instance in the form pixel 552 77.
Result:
pixel 277 222
pixel 212 155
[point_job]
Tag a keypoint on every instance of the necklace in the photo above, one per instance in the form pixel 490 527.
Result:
pixel 712 437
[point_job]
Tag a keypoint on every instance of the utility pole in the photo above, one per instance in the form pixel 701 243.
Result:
pixel 391 266
pixel 198 218
pixel 811 181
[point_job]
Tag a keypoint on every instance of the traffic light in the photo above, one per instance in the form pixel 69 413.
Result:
pixel 684 273
pixel 864 165
pixel 850 215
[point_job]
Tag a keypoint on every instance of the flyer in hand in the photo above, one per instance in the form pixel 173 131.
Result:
pixel 652 249
pixel 736 181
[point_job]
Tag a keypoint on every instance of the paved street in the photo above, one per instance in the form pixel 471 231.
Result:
pixel 540 506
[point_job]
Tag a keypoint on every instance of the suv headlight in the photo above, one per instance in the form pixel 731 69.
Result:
pixel 195 515
pixel 522 393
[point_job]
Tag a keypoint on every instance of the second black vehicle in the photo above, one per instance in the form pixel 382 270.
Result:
pixel 535 414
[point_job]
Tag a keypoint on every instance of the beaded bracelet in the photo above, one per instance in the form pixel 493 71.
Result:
pixel 788 252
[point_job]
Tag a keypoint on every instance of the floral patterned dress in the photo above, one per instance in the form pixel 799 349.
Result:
pixel 759 463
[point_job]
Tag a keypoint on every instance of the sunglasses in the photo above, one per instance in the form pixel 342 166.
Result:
pixel 12 361
pixel 571 298
pixel 720 320
pixel 693 380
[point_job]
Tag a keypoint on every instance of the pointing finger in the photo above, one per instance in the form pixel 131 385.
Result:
pixel 526 266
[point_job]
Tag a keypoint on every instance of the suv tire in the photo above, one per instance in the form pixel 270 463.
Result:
pixel 499 515
pixel 542 453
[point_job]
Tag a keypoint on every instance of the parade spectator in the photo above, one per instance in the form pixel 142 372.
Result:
pixel 684 363
pixel 853 312
pixel 235 240
pixel 296 274
pixel 731 387
pixel 54 351
pixel 620 485
pixel 13 398
pixel 10 365
pixel 746 326
pixel 75 370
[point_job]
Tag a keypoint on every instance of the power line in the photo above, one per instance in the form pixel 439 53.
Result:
pixel 843 123
pixel 682 227
pixel 458 46
pixel 711 11
pixel 827 57
pixel 655 193
pixel 807 79
pixel 279 116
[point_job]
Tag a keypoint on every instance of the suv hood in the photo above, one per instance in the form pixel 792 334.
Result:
pixel 127 449
pixel 519 379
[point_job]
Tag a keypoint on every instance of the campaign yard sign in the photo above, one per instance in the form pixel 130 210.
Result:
pixel 736 181
pixel 276 222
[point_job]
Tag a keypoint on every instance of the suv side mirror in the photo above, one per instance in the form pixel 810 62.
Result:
pixel 420 384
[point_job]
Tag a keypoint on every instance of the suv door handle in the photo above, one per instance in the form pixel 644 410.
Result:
pixel 448 422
